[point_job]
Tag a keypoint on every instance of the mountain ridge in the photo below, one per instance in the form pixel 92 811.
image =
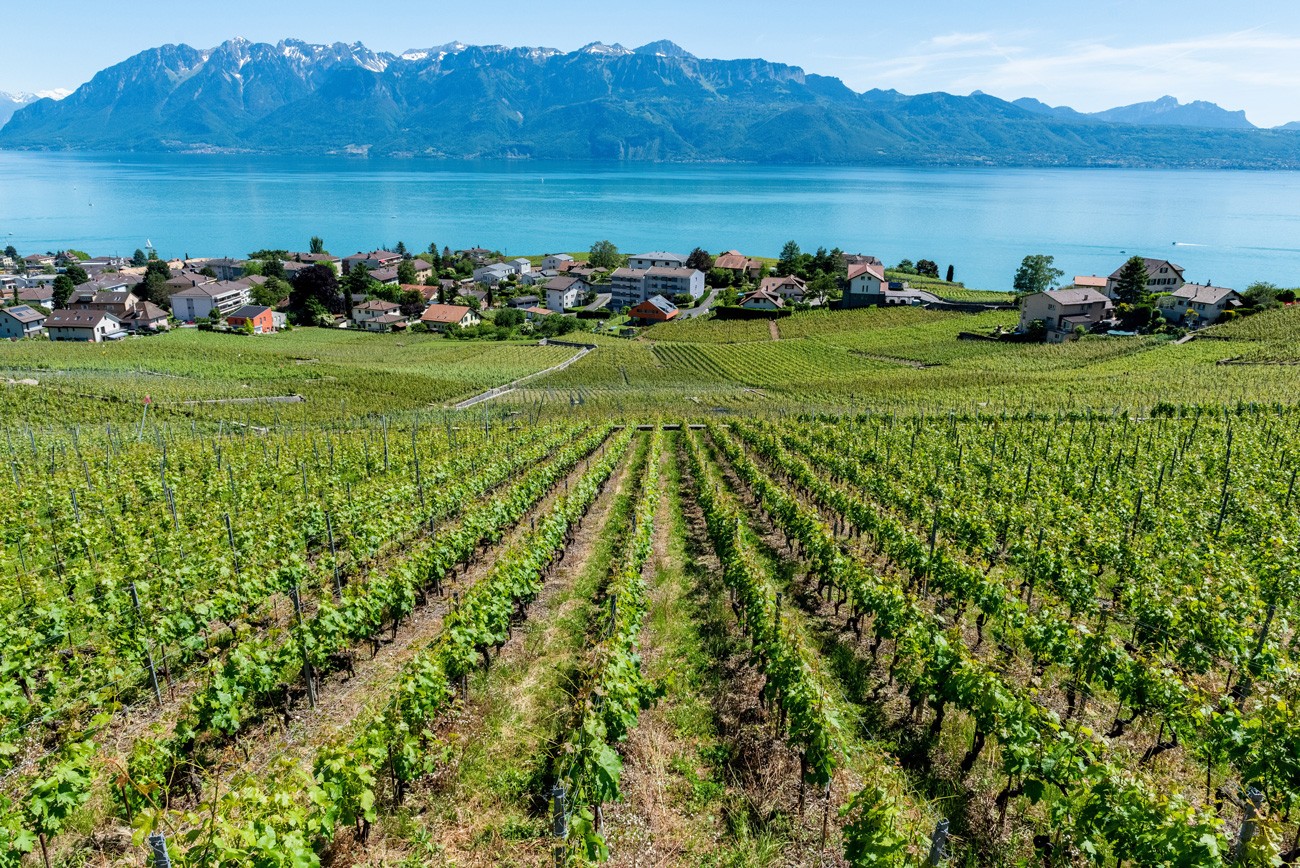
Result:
pixel 655 102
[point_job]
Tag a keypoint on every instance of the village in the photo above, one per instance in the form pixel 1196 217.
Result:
pixel 475 292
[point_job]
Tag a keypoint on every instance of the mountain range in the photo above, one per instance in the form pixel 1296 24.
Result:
pixel 12 102
pixel 656 102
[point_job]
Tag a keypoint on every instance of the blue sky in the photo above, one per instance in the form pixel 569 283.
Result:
pixel 1091 54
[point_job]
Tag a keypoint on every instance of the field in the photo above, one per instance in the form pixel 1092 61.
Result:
pixel 855 592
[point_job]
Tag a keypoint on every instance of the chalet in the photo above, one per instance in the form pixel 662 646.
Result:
pixel 375 315
pixel 654 309
pixel 867 285
pixel 260 317
pixel 21 322
pixel 1063 311
pixel 372 260
pixel 440 317
pixel 199 302
pixel 1162 276
pixel 557 262
pixel 739 265
pixel 563 293
pixel 146 317
pixel 657 259
pixel 83 325
pixel 1208 303
pixel 762 299
pixel 790 288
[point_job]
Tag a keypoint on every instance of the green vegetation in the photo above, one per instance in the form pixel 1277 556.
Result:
pixel 889 574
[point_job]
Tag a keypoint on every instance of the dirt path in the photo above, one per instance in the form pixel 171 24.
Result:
pixel 774 330
pixel 478 810
pixel 514 384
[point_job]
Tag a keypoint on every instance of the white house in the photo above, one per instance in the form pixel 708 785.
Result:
pixel 376 315
pixel 492 274
pixel 762 299
pixel 520 265
pixel 565 292
pixel 657 259
pixel 21 321
pixel 791 289
pixel 440 317
pixel 198 302
pixel 1207 302
pixel 554 261
pixel 83 325
pixel 867 285
pixel 1162 276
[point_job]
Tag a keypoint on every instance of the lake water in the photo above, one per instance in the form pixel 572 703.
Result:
pixel 1231 228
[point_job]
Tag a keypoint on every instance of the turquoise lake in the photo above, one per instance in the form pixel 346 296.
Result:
pixel 1231 228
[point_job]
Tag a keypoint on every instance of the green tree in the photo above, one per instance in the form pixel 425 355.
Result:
pixel 906 267
pixel 788 264
pixel 317 244
pixel 63 288
pixel 406 273
pixel 138 259
pixel 271 293
pixel 315 292
pixel 1037 273
pixel 950 274
pixel 356 284
pixel 700 260
pixel 11 252
pixel 604 254
pixel 272 268
pixel 154 287
pixel 400 249
pixel 76 274
pixel 1261 294
pixel 1131 285
pixel 927 268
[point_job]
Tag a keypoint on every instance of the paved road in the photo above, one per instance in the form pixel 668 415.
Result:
pixel 602 299
pixel 702 309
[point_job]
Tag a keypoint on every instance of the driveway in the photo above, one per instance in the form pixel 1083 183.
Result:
pixel 702 309
pixel 602 299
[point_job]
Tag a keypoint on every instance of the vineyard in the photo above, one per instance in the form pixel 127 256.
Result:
pixel 796 623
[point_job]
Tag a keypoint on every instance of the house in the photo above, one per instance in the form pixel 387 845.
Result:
pixel 111 283
pixel 39 260
pixel 591 275
pixel 565 292
pixel 867 285
pixel 492 274
pixel 440 317
pixel 1207 302
pixel 654 309
pixel 260 317
pixel 386 276
pixel 556 261
pixel 320 259
pixel 119 304
pixel 1162 276
pixel 41 295
pixel 1093 282
pixel 476 255
pixel 374 315
pixel 34 280
pixel 83 325
pixel 21 322
pixel 852 259
pixel 146 316
pixel 1062 311
pixel 791 289
pixel 762 299
pixel 535 313
pixel 739 265
pixel 520 302
pixel 198 302
pixel 520 265
pixel 657 259
pixel 422 269
pixel 373 260
pixel 187 280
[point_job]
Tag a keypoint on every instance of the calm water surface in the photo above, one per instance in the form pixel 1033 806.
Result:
pixel 1231 228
